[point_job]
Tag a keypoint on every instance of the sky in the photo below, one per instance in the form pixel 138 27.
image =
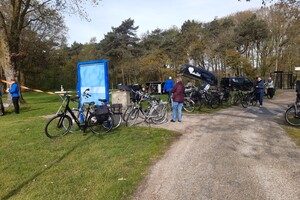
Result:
pixel 149 15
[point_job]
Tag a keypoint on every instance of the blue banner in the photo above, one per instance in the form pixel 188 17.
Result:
pixel 93 81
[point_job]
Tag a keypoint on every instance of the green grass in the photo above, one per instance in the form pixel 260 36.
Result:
pixel 75 166
pixel 293 132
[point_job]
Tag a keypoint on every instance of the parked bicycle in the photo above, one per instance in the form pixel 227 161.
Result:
pixel 188 104
pixel 135 97
pixel 156 111
pixel 61 123
pixel 115 111
pixel 292 114
pixel 240 97
pixel 205 98
pixel 249 98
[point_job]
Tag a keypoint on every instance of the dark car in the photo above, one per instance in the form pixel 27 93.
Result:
pixel 237 83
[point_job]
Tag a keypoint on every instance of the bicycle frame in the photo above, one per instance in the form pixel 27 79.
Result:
pixel 69 110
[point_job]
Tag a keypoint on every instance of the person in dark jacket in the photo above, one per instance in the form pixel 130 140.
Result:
pixel 178 98
pixel 15 94
pixel 260 89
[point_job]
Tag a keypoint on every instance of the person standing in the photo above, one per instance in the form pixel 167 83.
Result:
pixel 169 84
pixel 15 94
pixel 2 111
pixel 270 86
pixel 260 90
pixel 178 98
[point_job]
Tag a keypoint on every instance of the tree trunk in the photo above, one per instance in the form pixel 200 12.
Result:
pixel 5 61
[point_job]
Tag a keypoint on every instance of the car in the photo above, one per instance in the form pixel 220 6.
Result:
pixel 237 83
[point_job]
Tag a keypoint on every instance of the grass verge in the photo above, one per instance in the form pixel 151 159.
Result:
pixel 293 132
pixel 75 166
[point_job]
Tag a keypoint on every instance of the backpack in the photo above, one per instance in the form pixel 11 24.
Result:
pixel 102 113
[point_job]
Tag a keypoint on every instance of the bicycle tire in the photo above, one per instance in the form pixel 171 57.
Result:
pixel 214 102
pixel 127 111
pixel 100 128
pixel 117 120
pixel 291 117
pixel 253 101
pixel 132 117
pixel 245 101
pixel 58 126
pixel 188 105
pixel 161 114
pixel 235 99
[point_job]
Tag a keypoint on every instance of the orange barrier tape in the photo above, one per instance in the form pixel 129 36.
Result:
pixel 31 89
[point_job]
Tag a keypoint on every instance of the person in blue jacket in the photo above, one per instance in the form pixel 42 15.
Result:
pixel 260 89
pixel 15 94
pixel 169 84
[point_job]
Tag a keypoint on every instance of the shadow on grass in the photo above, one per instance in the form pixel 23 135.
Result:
pixel 57 161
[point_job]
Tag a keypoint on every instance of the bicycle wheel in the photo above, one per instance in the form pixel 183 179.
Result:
pixel 100 128
pixel 253 101
pixel 214 102
pixel 159 114
pixel 235 99
pixel 292 117
pixel 188 105
pixel 117 120
pixel 132 117
pixel 245 101
pixel 127 111
pixel 58 126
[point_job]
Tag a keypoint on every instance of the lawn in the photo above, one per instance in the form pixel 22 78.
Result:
pixel 75 166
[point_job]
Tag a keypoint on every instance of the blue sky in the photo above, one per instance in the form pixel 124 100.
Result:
pixel 149 15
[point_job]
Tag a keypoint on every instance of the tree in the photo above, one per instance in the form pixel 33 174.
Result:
pixel 250 35
pixel 18 15
pixel 121 48
pixel 295 2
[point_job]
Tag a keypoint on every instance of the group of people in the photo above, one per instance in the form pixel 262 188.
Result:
pixel 260 89
pixel 14 91
pixel 176 92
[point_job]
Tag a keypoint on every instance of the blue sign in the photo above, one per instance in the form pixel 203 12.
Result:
pixel 93 81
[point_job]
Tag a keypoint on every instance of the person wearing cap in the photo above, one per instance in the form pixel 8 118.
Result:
pixel 169 84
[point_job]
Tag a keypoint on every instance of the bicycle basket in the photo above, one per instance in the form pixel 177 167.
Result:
pixel 101 113
pixel 116 108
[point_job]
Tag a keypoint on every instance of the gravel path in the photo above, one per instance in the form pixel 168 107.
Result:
pixel 236 153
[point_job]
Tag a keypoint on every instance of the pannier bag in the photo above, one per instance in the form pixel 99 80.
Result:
pixel 116 108
pixel 101 113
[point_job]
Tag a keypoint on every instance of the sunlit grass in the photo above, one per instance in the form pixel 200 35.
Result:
pixel 293 132
pixel 75 166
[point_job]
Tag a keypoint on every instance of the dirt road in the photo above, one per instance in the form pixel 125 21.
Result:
pixel 236 153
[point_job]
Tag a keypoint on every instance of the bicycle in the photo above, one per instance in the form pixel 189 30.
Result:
pixel 115 111
pixel 135 97
pixel 249 99
pixel 203 97
pixel 292 114
pixel 239 97
pixel 156 111
pixel 60 125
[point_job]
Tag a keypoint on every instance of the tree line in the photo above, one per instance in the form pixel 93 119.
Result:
pixel 248 43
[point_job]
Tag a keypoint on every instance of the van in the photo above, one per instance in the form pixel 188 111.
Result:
pixel 237 83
